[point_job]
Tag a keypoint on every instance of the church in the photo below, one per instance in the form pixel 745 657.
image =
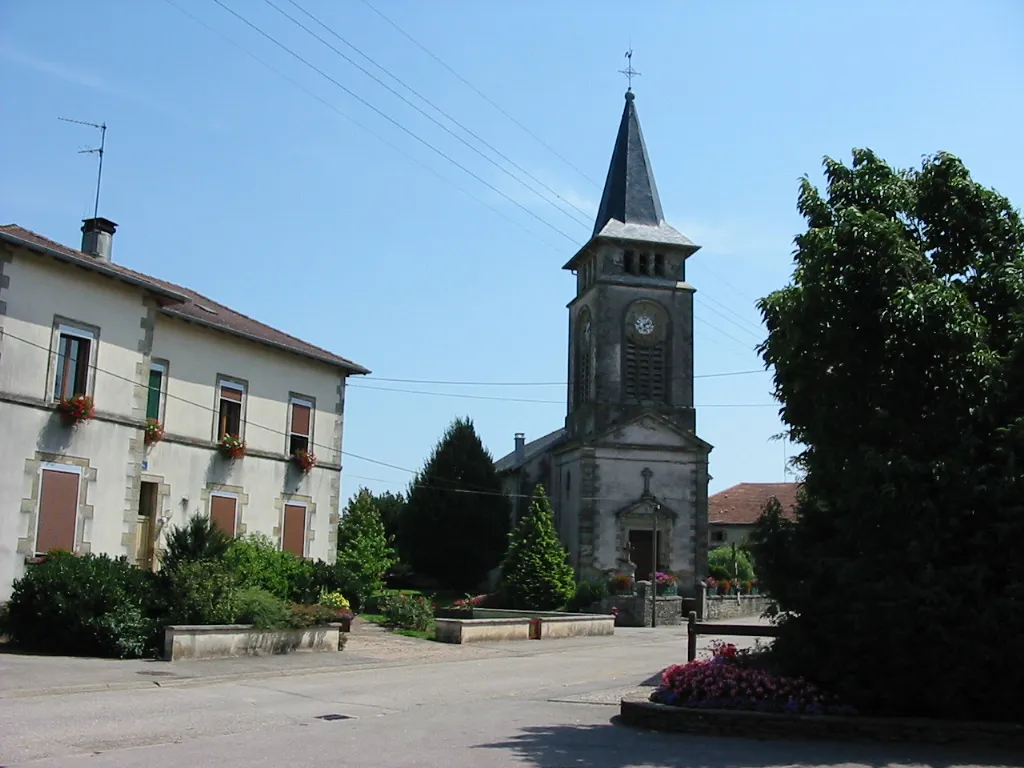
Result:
pixel 626 474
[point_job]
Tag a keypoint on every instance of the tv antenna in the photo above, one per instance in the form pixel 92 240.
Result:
pixel 102 128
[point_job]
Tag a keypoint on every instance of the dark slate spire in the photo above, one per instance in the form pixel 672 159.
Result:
pixel 630 195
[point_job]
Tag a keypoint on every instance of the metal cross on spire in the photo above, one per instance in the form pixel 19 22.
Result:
pixel 629 72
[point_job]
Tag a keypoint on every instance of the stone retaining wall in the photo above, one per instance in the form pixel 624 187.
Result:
pixel 547 626
pixel 229 640
pixel 758 725
pixel 734 606
pixel 635 610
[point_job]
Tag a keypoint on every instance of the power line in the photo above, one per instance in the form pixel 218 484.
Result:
pixel 481 94
pixel 392 120
pixel 531 383
pixel 312 443
pixel 359 125
pixel 437 108
pixel 464 396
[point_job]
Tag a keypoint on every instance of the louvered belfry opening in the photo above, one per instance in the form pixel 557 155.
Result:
pixel 645 372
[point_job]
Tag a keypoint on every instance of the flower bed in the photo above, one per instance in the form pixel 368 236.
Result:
pixel 729 680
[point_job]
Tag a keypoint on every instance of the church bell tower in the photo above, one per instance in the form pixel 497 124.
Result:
pixel 631 321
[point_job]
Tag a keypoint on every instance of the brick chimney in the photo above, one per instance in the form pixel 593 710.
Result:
pixel 98 237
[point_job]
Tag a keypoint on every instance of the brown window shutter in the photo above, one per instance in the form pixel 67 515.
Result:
pixel 222 513
pixel 227 393
pixel 58 510
pixel 294 539
pixel 300 419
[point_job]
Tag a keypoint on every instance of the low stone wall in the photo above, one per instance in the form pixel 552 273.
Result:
pixel 550 626
pixel 635 610
pixel 228 640
pixel 758 725
pixel 576 626
pixel 734 606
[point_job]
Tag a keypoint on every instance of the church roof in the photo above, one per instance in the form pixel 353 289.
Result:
pixel 530 450
pixel 630 205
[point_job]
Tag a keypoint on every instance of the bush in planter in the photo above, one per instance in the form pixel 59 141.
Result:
pixel 261 609
pixel 621 584
pixel 407 611
pixel 198 539
pixel 89 605
pixel 587 593
pixel 257 562
pixel 200 592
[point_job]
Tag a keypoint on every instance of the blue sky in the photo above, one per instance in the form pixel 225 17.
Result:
pixel 227 178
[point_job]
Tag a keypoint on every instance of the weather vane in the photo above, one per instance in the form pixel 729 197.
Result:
pixel 629 72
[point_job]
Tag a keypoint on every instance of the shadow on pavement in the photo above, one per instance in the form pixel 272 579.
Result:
pixel 616 746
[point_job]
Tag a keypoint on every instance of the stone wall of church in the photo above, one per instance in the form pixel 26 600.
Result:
pixel 673 482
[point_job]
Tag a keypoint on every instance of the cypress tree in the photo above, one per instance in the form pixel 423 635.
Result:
pixel 536 574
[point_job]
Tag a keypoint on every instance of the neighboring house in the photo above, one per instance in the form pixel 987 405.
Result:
pixel 628 453
pixel 73 322
pixel 733 512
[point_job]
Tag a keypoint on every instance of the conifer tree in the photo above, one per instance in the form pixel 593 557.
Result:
pixel 536 574
pixel 455 525
pixel 364 553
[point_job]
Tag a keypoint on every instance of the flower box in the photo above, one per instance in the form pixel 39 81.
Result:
pixel 154 431
pixel 304 460
pixel 231 447
pixel 75 410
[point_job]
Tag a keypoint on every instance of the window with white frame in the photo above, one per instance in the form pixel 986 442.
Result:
pixel 300 424
pixel 74 350
pixel 230 401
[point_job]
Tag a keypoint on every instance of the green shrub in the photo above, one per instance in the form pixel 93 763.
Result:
pixel 261 609
pixel 720 564
pixel 257 562
pixel 364 554
pixel 587 593
pixel 90 605
pixel 198 539
pixel 201 592
pixel 536 574
pixel 407 611
pixel 305 616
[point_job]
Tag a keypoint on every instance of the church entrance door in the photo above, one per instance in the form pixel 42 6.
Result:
pixel 640 552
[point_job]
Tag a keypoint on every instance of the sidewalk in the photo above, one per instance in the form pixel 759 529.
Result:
pixel 369 646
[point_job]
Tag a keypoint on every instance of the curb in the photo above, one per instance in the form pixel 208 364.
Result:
pixel 764 726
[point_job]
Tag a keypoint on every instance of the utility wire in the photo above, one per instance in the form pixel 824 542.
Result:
pixel 408 87
pixel 530 383
pixel 481 94
pixel 392 120
pixel 531 400
pixel 312 443
pixel 353 121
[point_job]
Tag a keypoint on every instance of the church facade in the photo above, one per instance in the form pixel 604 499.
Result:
pixel 626 474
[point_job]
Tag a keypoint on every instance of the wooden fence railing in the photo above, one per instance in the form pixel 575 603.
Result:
pixel 695 628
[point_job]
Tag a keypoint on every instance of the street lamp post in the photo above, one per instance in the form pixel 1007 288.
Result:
pixel 654 564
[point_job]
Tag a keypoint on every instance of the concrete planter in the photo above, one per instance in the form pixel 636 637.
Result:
pixel 734 606
pixel 762 725
pixel 522 625
pixel 230 640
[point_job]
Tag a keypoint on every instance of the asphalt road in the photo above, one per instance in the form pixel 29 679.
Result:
pixel 535 704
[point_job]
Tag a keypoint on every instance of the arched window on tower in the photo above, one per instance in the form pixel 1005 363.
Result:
pixel 584 369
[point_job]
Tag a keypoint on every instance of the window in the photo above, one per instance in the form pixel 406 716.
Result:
pixel 584 369
pixel 645 371
pixel 58 508
pixel 157 371
pixel 223 512
pixel 628 262
pixel 718 536
pixel 73 350
pixel 229 409
pixel 659 265
pixel 645 263
pixel 293 538
pixel 300 428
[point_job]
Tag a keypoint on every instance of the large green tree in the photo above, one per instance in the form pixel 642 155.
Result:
pixel 536 574
pixel 898 350
pixel 456 521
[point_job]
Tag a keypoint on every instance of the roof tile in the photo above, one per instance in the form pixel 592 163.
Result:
pixel 742 504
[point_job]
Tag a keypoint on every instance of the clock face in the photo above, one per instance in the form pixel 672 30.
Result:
pixel 644 324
